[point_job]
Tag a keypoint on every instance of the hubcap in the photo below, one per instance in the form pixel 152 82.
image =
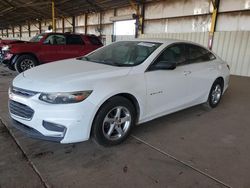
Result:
pixel 216 94
pixel 116 123
pixel 26 64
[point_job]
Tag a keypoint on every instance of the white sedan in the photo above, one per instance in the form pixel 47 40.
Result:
pixel 107 92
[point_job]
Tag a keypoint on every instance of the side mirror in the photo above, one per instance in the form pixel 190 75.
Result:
pixel 164 65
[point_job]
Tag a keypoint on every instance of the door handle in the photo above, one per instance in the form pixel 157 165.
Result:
pixel 187 73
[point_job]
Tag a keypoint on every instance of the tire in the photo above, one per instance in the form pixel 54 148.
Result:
pixel 114 121
pixel 215 94
pixel 25 62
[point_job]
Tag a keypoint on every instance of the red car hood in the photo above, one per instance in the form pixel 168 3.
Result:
pixel 6 42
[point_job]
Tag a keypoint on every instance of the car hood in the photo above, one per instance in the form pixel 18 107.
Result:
pixel 6 42
pixel 67 75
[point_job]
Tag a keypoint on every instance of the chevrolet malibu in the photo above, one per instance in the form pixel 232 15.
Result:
pixel 105 93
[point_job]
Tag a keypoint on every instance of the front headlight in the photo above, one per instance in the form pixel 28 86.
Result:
pixel 64 98
pixel 6 48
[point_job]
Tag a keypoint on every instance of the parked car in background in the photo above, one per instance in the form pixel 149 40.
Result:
pixel 107 92
pixel 49 47
pixel 2 50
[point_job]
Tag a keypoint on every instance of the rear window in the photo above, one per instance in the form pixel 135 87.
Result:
pixel 94 40
pixel 74 40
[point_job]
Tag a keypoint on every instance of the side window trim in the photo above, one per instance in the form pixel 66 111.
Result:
pixel 169 46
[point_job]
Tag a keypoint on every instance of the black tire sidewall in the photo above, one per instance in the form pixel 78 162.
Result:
pixel 97 132
pixel 20 59
pixel 210 103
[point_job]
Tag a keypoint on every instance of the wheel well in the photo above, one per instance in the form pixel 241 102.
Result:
pixel 128 96
pixel 30 54
pixel 133 100
pixel 221 80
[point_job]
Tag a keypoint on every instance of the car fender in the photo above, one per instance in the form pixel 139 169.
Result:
pixel 103 92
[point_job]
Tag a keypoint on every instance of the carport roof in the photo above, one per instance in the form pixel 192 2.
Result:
pixel 15 12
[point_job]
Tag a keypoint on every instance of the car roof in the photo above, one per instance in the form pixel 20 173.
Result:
pixel 68 33
pixel 166 41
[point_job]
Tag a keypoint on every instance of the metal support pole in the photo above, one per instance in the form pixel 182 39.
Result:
pixel 86 24
pixel 73 24
pixel 113 28
pixel 20 31
pixel 140 11
pixel 40 27
pixel 13 31
pixel 63 25
pixel 142 18
pixel 100 24
pixel 53 16
pixel 216 4
pixel 29 29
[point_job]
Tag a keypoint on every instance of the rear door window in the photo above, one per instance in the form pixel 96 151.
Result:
pixel 94 40
pixel 197 54
pixel 55 40
pixel 74 40
pixel 174 53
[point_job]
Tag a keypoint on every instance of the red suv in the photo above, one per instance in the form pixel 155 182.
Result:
pixel 48 47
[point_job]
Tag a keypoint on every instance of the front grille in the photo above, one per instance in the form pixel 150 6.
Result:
pixel 20 110
pixel 23 92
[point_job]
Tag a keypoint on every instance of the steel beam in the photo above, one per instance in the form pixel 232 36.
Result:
pixel 29 29
pixel 53 15
pixel 63 25
pixel 216 4
pixel 13 31
pixel 142 18
pixel 140 11
pixel 73 24
pixel 86 23
pixel 40 26
pixel 100 23
pixel 20 31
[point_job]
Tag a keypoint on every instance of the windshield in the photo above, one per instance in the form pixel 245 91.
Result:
pixel 37 38
pixel 124 53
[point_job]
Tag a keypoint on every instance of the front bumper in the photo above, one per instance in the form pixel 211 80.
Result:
pixel 33 132
pixel 76 119
pixel 7 56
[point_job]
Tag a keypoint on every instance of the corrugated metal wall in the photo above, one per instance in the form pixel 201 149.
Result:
pixel 232 46
pixel 200 37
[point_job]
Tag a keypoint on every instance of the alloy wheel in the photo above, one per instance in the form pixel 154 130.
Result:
pixel 216 94
pixel 27 64
pixel 116 123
